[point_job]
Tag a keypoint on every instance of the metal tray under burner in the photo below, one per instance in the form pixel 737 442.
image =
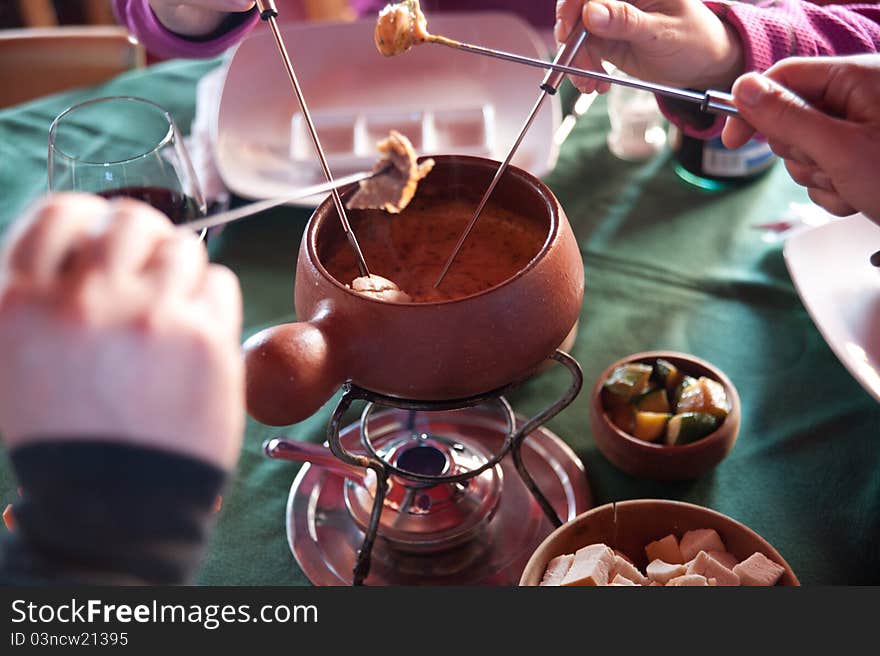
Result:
pixel 325 538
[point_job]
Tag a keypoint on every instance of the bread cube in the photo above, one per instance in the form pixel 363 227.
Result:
pixel 688 580
pixel 627 570
pixel 725 558
pixel 591 566
pixel 707 566
pixel 557 569
pixel 757 569
pixel 662 572
pixel 701 539
pixel 622 580
pixel 665 549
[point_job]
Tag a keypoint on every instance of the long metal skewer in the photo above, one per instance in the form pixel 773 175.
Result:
pixel 712 101
pixel 549 86
pixel 269 13
pixel 250 209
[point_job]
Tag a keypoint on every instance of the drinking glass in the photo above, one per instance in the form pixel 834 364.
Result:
pixel 637 131
pixel 125 146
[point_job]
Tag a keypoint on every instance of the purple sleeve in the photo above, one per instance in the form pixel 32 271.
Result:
pixel 778 29
pixel 140 20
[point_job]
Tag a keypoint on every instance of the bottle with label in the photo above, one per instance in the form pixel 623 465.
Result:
pixel 709 165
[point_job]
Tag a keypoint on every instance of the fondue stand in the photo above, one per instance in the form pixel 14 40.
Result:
pixel 422 489
pixel 446 509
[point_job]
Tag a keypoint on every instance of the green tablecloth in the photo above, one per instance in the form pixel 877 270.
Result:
pixel 667 266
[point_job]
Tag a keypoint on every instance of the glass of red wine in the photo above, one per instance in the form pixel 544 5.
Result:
pixel 125 146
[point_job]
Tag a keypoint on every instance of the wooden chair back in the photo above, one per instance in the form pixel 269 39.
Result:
pixel 35 62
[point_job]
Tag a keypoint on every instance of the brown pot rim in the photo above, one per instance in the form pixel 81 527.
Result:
pixel 553 233
pixel 718 435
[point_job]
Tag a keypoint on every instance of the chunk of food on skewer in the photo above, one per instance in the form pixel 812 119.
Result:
pixel 402 25
pixel 379 288
pixel 398 175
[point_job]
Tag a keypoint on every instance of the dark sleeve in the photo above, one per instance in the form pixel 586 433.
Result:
pixel 101 512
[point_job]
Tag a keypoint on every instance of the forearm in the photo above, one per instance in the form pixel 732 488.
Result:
pixel 146 27
pixel 98 512
pixel 774 31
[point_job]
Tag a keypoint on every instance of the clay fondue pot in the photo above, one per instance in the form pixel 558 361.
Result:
pixel 436 351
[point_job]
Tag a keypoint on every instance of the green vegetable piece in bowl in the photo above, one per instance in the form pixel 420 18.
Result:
pixel 629 380
pixel 652 401
pixel 706 395
pixel 689 427
pixel 685 384
pixel 667 375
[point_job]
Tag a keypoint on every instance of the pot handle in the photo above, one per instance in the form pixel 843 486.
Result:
pixel 290 372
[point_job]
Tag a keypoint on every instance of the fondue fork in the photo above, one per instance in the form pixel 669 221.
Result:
pixel 549 85
pixel 269 13
pixel 250 209
pixel 711 101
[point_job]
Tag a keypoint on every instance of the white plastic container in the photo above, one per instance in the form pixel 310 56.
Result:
pixel 349 138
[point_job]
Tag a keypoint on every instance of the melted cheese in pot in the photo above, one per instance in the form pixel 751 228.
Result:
pixel 411 249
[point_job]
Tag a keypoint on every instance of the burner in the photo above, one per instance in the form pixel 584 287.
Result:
pixel 425 517
pixel 496 537
pixel 422 493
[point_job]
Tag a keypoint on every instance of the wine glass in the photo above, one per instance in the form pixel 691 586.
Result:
pixel 125 146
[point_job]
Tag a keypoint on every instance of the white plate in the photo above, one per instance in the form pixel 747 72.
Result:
pixel 342 73
pixel 840 288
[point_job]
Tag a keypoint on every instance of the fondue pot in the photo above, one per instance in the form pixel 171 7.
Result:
pixel 436 351
pixel 421 487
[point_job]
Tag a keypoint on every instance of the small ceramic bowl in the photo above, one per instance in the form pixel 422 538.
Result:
pixel 659 461
pixel 630 525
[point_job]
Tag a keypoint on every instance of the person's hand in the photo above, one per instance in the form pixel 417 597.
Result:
pixel 113 325
pixel 676 42
pixel 822 115
pixel 196 17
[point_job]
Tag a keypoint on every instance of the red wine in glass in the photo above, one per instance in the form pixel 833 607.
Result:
pixel 179 207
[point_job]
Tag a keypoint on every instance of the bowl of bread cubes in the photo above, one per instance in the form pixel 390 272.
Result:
pixel 655 542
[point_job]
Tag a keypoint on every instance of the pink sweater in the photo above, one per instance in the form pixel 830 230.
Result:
pixel 770 31
pixel 775 29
